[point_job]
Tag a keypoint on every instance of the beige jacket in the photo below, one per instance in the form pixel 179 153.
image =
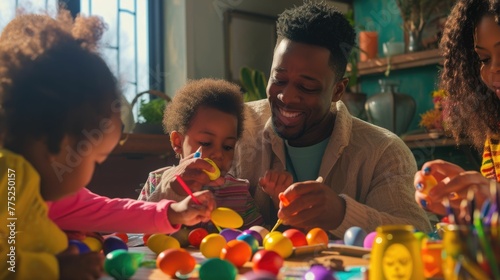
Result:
pixel 370 167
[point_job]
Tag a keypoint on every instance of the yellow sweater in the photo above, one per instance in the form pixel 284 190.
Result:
pixel 29 240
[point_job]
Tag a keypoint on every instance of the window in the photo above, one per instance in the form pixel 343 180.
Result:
pixel 132 44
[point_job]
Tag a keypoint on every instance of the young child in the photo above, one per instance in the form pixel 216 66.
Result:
pixel 205 114
pixel 471 77
pixel 60 117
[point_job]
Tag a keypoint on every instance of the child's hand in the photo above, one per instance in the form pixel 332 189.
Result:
pixel 73 265
pixel 188 212
pixel 274 182
pixel 191 171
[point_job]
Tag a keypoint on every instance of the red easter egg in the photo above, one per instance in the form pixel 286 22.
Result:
pixel 123 236
pixel 268 261
pixel 297 237
pixel 196 236
pixel 145 237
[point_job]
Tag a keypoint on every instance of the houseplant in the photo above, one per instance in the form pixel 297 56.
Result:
pixel 353 98
pixel 416 14
pixel 254 83
pixel 150 114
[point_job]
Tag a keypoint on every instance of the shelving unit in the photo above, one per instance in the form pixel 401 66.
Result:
pixel 402 61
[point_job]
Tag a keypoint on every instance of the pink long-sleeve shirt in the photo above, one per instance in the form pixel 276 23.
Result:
pixel 87 211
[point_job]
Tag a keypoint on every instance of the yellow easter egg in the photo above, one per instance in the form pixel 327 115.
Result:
pixel 160 242
pixel 211 245
pixel 95 245
pixel 216 173
pixel 279 244
pixel 226 218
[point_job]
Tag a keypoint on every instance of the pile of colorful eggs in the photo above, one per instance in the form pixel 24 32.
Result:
pixel 229 250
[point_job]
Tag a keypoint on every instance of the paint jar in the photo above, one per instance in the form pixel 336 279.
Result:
pixel 396 254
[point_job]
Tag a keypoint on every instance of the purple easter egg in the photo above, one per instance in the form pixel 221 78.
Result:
pixel 112 243
pixel 255 234
pixel 230 234
pixel 319 272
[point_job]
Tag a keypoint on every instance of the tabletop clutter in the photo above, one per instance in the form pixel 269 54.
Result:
pixel 463 246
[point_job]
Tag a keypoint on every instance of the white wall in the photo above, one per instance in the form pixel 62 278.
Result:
pixel 195 35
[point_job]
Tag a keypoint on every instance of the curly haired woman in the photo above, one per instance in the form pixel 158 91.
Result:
pixel 471 76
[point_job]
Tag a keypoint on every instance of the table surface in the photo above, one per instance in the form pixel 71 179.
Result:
pixel 293 268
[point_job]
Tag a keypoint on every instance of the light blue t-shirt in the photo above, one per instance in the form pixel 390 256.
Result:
pixel 304 162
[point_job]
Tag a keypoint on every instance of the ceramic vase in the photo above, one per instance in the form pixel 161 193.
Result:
pixel 390 109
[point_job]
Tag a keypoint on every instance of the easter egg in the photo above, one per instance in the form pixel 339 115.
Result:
pixel 428 183
pixel 265 260
pixel 270 235
pixel 160 242
pixel 319 272
pixel 182 236
pixel 82 247
pixel 255 234
pixel 226 218
pixel 212 245
pixel 122 264
pixel 178 260
pixel 217 269
pixel 296 236
pixel 261 230
pixel 237 252
pixel 123 236
pixel 317 236
pixel 230 234
pixel 196 236
pixel 93 243
pixel 214 174
pixel 280 244
pixel 250 240
pixel 354 236
pixel 369 239
pixel 112 243
pixel 145 238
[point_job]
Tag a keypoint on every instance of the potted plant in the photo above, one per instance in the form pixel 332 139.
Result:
pixel 150 114
pixel 416 14
pixel 254 83
pixel 353 98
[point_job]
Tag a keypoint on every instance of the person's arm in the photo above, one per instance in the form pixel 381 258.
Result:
pixel 86 211
pixel 390 198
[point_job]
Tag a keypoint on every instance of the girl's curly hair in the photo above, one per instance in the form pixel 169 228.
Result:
pixel 52 81
pixel 471 110
pixel 212 93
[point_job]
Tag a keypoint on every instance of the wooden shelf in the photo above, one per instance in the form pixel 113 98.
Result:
pixel 402 61
pixel 144 144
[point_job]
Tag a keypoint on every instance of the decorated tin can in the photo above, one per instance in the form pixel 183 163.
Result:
pixel 396 254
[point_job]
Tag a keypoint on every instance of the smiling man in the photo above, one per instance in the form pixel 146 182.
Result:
pixel 303 131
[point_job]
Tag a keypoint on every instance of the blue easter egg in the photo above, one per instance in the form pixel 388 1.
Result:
pixel 354 236
pixel 112 243
pixel 82 247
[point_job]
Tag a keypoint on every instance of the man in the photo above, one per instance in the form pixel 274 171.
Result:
pixel 367 171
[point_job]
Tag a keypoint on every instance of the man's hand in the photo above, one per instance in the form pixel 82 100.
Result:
pixel 312 204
